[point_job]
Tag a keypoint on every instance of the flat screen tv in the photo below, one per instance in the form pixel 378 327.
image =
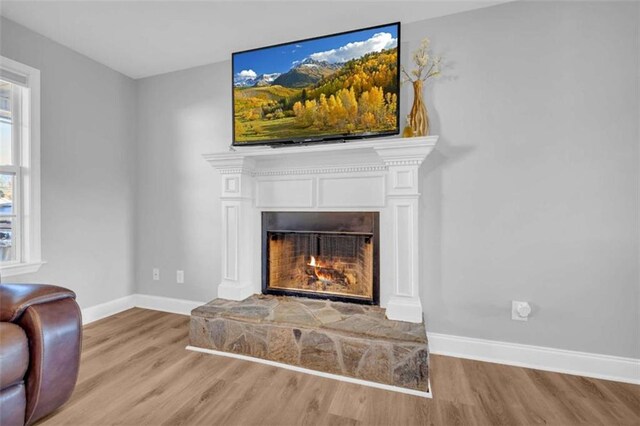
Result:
pixel 335 87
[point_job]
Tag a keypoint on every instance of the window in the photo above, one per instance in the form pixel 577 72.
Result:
pixel 19 168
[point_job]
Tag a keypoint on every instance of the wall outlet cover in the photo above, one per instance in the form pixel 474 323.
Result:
pixel 156 274
pixel 520 310
pixel 180 277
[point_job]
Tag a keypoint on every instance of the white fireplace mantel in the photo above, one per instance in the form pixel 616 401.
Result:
pixel 370 175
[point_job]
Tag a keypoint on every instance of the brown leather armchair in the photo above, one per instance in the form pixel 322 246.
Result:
pixel 40 343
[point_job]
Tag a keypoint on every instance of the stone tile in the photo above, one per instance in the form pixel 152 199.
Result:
pixel 352 351
pixel 413 372
pixel 252 313
pixel 379 314
pixel 199 333
pixel 239 346
pixel 257 341
pixel 282 345
pixel 348 308
pixel 376 363
pixel 312 303
pixel 234 330
pixel 373 327
pixel 294 314
pixel 263 300
pixel 260 331
pixel 218 331
pixel 402 351
pixel 208 311
pixel 327 315
pixel 318 352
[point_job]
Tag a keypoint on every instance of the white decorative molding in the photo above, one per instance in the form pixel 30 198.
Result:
pixel 145 301
pixel 360 190
pixel 231 224
pixel 313 372
pixel 403 162
pixel 322 170
pixel 19 268
pixel 369 175
pixel 165 304
pixel 404 179
pixel 103 310
pixel 586 364
pixel 234 171
pixel 285 191
pixel 234 291
pixel 29 209
pixel 396 151
pixel 404 308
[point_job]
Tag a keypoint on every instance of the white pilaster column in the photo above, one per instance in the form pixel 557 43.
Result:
pixel 237 228
pixel 402 198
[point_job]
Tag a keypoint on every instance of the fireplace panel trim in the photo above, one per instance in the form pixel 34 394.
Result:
pixel 284 192
pixel 352 185
pixel 231 238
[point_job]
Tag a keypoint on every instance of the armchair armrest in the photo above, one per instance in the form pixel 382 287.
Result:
pixel 16 298
pixel 52 321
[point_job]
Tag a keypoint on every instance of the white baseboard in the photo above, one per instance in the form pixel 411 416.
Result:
pixel 103 310
pixel 313 372
pixel 598 366
pixel 146 301
pixel 166 304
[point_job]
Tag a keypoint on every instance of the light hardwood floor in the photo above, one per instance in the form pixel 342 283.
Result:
pixel 135 371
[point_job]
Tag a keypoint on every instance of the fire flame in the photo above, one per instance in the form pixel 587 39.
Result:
pixel 322 272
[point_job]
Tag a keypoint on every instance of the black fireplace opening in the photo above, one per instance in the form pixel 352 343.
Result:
pixel 325 255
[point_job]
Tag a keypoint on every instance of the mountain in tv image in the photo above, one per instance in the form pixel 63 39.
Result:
pixel 346 86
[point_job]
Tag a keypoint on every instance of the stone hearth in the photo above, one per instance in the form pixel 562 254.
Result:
pixel 333 337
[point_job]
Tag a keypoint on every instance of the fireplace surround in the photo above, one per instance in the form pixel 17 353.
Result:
pixel 329 255
pixel 377 175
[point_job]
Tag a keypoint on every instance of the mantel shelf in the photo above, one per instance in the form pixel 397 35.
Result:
pixel 420 146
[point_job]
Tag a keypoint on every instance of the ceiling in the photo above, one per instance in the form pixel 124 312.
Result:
pixel 145 38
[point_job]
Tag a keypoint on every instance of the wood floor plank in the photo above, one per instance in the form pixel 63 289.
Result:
pixel 626 394
pixel 135 371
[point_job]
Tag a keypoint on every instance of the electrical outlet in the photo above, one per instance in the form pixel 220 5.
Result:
pixel 156 274
pixel 180 277
pixel 520 310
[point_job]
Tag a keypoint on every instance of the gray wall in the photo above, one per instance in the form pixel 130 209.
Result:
pixel 181 116
pixel 532 194
pixel 87 155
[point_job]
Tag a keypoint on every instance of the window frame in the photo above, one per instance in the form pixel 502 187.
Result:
pixel 26 168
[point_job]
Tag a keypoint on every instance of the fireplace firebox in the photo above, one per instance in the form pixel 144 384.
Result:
pixel 328 255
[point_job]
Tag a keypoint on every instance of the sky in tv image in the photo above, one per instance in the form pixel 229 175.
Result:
pixel 333 49
pixel 344 84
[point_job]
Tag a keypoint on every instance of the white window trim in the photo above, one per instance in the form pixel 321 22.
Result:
pixel 31 254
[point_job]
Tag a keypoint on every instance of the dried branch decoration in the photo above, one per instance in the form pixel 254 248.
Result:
pixel 426 65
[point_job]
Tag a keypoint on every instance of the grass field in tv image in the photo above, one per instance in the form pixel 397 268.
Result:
pixel 345 84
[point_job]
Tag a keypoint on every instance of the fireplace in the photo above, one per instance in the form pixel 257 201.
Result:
pixel 329 255
pixel 374 175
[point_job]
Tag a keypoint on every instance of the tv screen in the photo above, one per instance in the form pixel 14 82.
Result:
pixel 339 86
